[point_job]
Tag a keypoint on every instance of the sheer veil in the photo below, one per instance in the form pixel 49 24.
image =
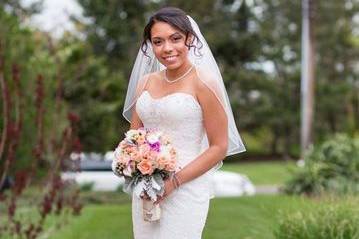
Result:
pixel 207 71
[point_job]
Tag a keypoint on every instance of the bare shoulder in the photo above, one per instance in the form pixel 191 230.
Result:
pixel 155 74
pixel 146 80
pixel 204 88
pixel 153 77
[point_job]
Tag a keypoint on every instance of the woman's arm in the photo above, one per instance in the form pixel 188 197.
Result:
pixel 135 120
pixel 216 125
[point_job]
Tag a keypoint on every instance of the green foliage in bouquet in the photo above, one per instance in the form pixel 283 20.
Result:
pixel 331 167
pixel 335 220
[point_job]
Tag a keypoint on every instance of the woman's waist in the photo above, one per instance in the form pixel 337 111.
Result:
pixel 184 158
pixel 197 188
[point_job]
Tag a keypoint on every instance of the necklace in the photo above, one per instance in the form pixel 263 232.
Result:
pixel 179 78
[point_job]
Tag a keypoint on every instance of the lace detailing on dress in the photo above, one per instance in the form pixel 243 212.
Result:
pixel 184 212
pixel 179 115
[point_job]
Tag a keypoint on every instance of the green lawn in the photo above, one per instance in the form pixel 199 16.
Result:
pixel 108 214
pixel 261 173
pixel 229 218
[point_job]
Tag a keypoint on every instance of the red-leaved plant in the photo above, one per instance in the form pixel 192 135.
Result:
pixel 55 198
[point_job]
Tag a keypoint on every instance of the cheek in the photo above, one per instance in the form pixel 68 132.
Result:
pixel 184 51
pixel 156 51
pixel 181 47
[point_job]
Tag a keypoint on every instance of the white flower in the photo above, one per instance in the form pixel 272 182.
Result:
pixel 165 152
pixel 131 134
pixel 118 153
pixel 153 137
pixel 127 171
pixel 141 131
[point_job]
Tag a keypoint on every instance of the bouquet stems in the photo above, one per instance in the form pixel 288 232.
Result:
pixel 151 211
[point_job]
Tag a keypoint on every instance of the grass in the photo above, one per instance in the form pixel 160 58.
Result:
pixel 229 218
pixel 108 214
pixel 262 173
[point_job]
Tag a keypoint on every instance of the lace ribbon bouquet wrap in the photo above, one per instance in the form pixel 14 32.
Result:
pixel 145 158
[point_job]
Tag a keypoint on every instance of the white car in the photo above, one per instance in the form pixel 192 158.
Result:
pixel 99 175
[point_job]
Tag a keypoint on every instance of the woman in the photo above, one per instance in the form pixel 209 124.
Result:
pixel 176 86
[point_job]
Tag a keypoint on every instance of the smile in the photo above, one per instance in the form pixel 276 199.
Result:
pixel 170 58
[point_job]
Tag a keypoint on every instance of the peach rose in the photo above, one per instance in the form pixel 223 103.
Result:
pixel 165 140
pixel 141 139
pixel 124 159
pixel 173 153
pixel 146 156
pixel 145 167
pixel 170 165
pixel 129 150
pixel 144 148
pixel 161 162
pixel 136 156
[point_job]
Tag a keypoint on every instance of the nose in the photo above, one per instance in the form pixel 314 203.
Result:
pixel 167 47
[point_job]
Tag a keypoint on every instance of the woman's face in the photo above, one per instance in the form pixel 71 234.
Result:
pixel 168 45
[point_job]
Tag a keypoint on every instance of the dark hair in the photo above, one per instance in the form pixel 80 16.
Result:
pixel 178 19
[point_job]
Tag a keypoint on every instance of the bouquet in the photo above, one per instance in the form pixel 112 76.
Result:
pixel 145 158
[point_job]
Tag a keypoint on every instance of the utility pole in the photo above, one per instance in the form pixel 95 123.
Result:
pixel 307 76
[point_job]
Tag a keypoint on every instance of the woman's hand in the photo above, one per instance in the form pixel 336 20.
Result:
pixel 169 187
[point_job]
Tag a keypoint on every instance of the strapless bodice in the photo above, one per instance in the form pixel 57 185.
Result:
pixel 179 115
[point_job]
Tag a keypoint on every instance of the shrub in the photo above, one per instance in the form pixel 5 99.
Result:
pixel 86 187
pixel 331 167
pixel 333 220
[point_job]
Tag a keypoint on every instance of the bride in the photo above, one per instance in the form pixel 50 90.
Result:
pixel 176 86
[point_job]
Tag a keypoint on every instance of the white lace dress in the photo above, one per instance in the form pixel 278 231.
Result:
pixel 183 212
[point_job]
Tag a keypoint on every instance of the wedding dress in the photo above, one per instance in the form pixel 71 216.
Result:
pixel 184 211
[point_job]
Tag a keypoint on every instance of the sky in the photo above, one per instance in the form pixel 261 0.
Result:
pixel 55 16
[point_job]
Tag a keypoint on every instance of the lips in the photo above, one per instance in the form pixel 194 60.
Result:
pixel 170 59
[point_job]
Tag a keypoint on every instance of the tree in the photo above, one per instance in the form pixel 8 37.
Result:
pixel 257 46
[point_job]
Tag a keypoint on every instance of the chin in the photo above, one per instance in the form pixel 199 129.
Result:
pixel 173 66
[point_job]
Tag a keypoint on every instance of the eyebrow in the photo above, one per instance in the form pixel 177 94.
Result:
pixel 176 33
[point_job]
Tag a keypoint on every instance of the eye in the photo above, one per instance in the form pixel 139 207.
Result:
pixel 156 42
pixel 177 38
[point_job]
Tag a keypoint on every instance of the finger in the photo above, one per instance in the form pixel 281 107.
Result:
pixel 160 199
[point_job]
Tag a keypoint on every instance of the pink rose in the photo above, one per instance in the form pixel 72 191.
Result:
pixel 145 167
